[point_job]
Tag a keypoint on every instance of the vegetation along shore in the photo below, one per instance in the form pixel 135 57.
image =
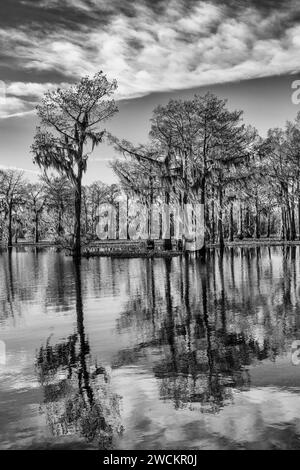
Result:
pixel 198 152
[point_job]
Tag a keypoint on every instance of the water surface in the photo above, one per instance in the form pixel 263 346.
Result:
pixel 150 354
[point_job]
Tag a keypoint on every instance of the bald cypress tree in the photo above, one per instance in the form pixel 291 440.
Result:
pixel 71 122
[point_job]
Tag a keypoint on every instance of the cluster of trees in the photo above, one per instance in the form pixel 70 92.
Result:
pixel 199 151
pixel 45 210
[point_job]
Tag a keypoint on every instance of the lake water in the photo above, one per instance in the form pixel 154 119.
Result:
pixel 150 354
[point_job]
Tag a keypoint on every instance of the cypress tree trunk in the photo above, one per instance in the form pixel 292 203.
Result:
pixel 127 217
pixel 118 221
pixel 248 223
pixel 299 217
pixel 241 231
pixel 167 242
pixel 213 226
pixel 220 220
pixel 283 224
pixel 36 233
pixel 289 222
pixel 77 224
pixel 86 215
pixel 269 224
pixel 59 226
pixel 231 223
pixel 150 214
pixel 293 222
pixel 202 251
pixel 9 241
pixel 257 220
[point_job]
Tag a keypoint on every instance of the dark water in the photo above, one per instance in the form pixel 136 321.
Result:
pixel 150 354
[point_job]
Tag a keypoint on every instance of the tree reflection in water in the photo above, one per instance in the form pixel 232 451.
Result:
pixel 78 398
pixel 205 328
pixel 193 332
pixel 202 365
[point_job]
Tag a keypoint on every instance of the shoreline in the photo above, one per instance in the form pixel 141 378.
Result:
pixel 136 249
pixel 94 244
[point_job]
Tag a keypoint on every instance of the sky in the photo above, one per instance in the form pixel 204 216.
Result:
pixel 247 52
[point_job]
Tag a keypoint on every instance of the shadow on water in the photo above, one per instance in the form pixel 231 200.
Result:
pixel 77 395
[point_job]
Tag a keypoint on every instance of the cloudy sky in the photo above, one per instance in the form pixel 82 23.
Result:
pixel 248 52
